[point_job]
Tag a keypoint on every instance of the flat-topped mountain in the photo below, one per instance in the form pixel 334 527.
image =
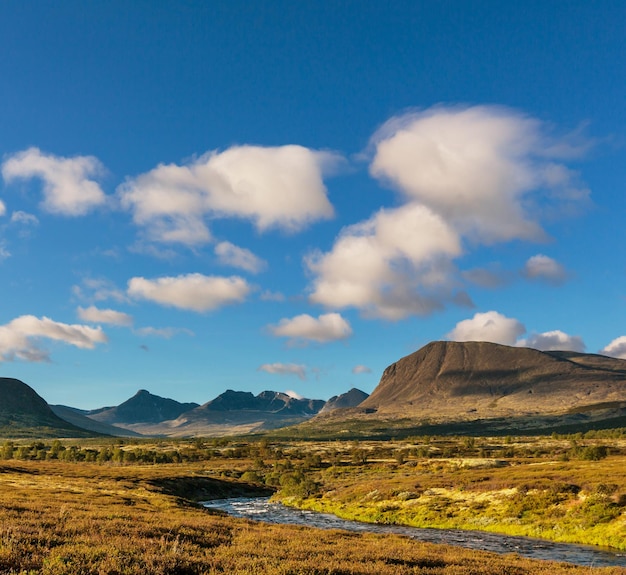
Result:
pixel 454 380
pixel 23 413
pixel 143 407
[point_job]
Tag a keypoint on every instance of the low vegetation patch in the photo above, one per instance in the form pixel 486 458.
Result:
pixel 61 515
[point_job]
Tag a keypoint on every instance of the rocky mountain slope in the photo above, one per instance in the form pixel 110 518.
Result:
pixel 351 398
pixel 143 407
pixel 235 412
pixel 452 380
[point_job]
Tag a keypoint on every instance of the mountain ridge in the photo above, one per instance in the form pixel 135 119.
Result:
pixel 143 407
pixel 442 383
pixel 455 379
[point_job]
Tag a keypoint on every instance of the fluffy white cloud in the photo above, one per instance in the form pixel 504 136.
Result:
pixel 3 208
pixel 475 167
pixel 69 187
pixel 232 255
pixel 271 186
pixel 392 265
pixel 617 348
pixel 489 326
pixel 284 369
pixel 544 268
pixel 195 292
pixel 94 315
pixel 357 369
pixel 554 341
pixel 21 337
pixel 497 328
pixel 480 174
pixel 325 328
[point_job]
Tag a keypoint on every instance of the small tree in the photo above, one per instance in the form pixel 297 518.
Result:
pixel 8 449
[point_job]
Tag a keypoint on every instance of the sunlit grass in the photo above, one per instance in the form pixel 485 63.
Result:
pixel 66 517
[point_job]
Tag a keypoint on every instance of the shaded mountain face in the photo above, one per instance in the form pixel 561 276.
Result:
pixel 237 412
pixel 23 413
pixel 232 411
pixel 143 407
pixel 351 398
pixel 271 402
pixel 453 380
pixel 78 418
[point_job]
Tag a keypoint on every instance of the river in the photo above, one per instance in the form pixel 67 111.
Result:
pixel 262 509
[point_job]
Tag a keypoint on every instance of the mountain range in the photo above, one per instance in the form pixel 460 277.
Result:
pixel 232 412
pixel 442 383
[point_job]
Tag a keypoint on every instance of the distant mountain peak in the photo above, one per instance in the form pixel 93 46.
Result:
pixel 351 398
pixel 143 407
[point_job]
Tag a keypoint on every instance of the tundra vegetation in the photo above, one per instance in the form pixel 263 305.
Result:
pixel 129 506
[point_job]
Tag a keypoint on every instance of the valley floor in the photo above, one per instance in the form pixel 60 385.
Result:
pixel 60 516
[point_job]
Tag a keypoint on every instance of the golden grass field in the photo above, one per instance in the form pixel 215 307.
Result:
pixel 115 517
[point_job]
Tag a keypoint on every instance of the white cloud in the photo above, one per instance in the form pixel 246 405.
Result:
pixel 294 394
pixel 3 208
pixel 392 265
pixel 325 328
pixel 553 341
pixel 476 167
pixel 69 188
pixel 271 186
pixel 94 315
pixel 93 289
pixel 4 252
pixel 21 337
pixel 544 268
pixel 164 332
pixel 232 255
pixel 20 217
pixel 617 348
pixel 195 292
pixel 284 369
pixel 357 369
pixel 478 174
pixel 489 326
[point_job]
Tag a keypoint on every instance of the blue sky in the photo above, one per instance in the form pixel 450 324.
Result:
pixel 292 195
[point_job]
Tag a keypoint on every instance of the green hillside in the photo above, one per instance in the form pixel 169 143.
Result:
pixel 23 413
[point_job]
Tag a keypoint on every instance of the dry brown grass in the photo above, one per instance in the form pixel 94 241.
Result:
pixel 68 518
